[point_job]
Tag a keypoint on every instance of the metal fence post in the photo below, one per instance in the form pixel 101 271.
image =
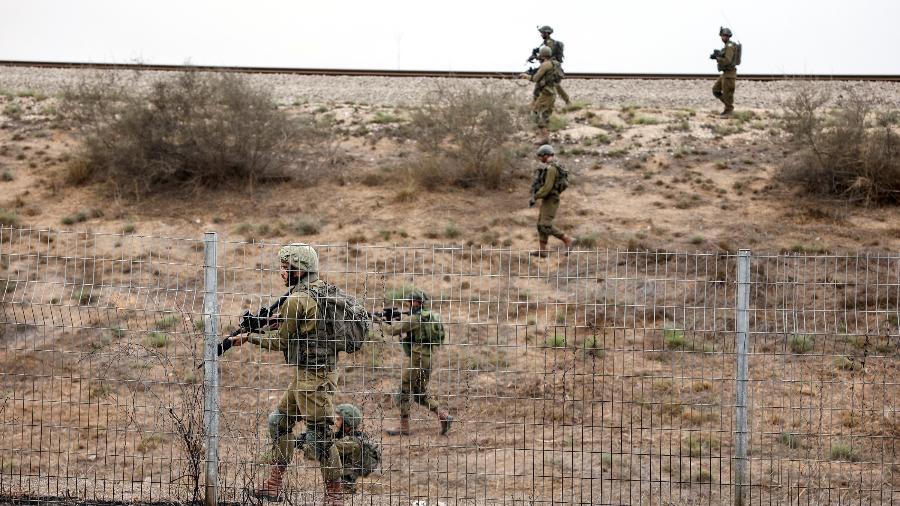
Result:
pixel 211 366
pixel 742 327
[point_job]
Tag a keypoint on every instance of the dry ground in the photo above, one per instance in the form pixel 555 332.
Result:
pixel 633 405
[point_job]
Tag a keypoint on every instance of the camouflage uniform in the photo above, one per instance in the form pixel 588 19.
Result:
pixel 417 370
pixel 724 87
pixel 311 392
pixel 544 92
pixel 349 445
pixel 558 56
pixel 544 179
pixel 544 187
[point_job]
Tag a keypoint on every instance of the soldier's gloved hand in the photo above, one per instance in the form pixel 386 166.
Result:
pixel 531 202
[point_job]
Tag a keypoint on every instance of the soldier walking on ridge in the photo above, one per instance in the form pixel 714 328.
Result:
pixel 727 60
pixel 556 48
pixel 550 180
pixel 545 80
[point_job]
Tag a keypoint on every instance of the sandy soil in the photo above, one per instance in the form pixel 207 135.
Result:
pixel 642 415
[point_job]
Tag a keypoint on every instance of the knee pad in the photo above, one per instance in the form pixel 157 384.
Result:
pixel 544 229
pixel 718 94
pixel 278 425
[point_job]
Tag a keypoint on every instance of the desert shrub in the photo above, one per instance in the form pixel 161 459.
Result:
pixel 464 139
pixel 840 151
pixel 186 130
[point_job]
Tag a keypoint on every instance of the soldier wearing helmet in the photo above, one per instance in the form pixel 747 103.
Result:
pixel 310 395
pixel 422 331
pixel 545 80
pixel 724 87
pixel 360 454
pixel 550 180
pixel 556 53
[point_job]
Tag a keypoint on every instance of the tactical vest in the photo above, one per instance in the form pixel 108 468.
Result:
pixel 560 184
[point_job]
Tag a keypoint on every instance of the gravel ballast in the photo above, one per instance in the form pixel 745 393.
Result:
pixel 412 91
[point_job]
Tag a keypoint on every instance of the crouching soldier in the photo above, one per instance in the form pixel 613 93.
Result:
pixel 360 454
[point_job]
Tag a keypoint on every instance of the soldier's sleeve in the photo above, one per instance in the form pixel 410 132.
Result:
pixel 549 181
pixel 277 340
pixel 349 449
pixel 407 324
pixel 727 55
pixel 543 69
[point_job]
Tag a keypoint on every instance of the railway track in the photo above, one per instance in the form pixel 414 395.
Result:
pixel 437 73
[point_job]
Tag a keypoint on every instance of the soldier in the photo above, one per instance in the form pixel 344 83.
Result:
pixel 725 61
pixel 310 394
pixel 550 181
pixel 360 454
pixel 545 80
pixel 557 54
pixel 422 331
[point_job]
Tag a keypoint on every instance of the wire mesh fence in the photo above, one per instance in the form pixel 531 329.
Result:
pixel 597 377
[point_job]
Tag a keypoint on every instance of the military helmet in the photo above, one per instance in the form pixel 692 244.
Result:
pixel 545 29
pixel 545 52
pixel 351 414
pixel 417 295
pixel 724 31
pixel 300 256
pixel 546 149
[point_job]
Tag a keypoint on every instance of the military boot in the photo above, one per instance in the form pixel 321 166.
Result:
pixel 726 113
pixel 446 420
pixel 402 429
pixel 541 251
pixel 334 494
pixel 543 137
pixel 568 241
pixel 270 490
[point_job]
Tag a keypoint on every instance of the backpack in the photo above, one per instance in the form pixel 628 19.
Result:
pixel 346 321
pixel 558 50
pixel 431 328
pixel 737 53
pixel 562 179
pixel 371 454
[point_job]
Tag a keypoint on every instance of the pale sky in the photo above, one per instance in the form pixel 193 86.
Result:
pixel 784 36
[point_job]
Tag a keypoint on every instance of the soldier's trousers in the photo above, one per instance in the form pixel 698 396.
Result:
pixel 545 226
pixel 414 382
pixel 542 107
pixel 309 398
pixel 724 89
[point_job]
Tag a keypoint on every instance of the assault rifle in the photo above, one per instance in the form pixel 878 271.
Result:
pixel 389 314
pixel 717 53
pixel 250 323
pixel 531 71
pixel 534 54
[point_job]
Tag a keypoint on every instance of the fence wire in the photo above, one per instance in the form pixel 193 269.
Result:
pixel 598 377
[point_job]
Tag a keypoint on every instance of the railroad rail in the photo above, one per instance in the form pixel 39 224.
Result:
pixel 436 73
